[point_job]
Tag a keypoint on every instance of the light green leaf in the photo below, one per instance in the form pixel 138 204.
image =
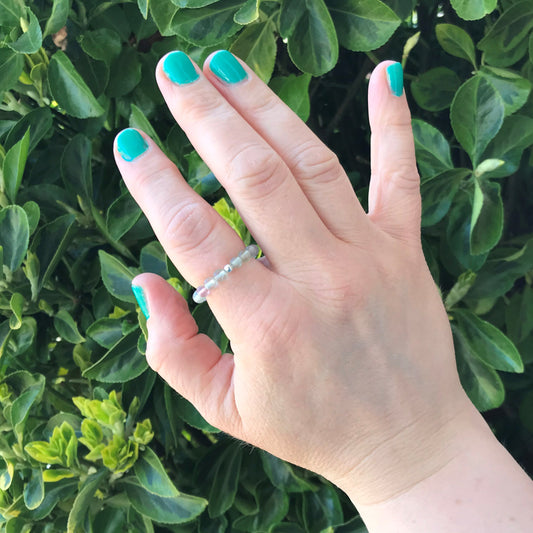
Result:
pixel 474 9
pixel 176 510
pixel 488 343
pixel 14 165
pixel 11 11
pixel 163 12
pixel 434 90
pixel 34 490
pixel 7 470
pixel 249 12
pixel 116 277
pixel 152 476
pixel 33 213
pixel 456 42
pixel 481 382
pixel 432 149
pixel 14 235
pixel 460 289
pixel 17 305
pixel 312 44
pixel 294 91
pixel 363 25
pixel 58 17
pixel 476 115
pixel 32 38
pixel 487 217
pixel 69 89
pixel 11 65
pixel 256 45
pixel 67 327
pixel 513 88
pixel 143 7
pixel 487 165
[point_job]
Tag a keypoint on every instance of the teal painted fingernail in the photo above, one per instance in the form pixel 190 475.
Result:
pixel 131 144
pixel 179 68
pixel 395 77
pixel 225 67
pixel 141 300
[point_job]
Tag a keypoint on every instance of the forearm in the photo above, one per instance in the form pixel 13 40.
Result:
pixel 480 489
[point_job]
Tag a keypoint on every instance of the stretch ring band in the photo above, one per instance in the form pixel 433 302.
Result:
pixel 203 291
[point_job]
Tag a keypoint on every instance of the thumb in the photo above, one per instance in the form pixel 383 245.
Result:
pixel 191 363
pixel 394 194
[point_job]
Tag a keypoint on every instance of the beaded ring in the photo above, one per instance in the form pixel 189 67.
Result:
pixel 203 291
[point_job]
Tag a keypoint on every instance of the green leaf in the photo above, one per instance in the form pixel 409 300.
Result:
pixel 122 215
pixel 11 11
pixel 32 38
pixel 62 490
pixel 22 405
pixel 152 476
pixel 434 90
pixel 76 167
pixel 312 44
pixel 294 91
pixel 14 165
pixel 33 213
pixel 256 45
pixel 403 8
pixel 17 305
pixel 476 115
pixel 66 327
pixel 7 470
pixel 456 42
pixel 282 474
pixel 515 135
pixel 103 44
pixel 432 150
pixel 363 25
pixel 488 343
pixel 176 510
pixel 438 193
pixel 482 383
pixel 69 89
pixel 322 508
pixel 14 235
pixel 249 12
pixel 117 277
pixel 121 363
pixel 11 65
pixel 487 217
pixel 486 166
pixel 474 9
pixel 178 406
pixel 127 72
pixel 163 13
pixel 460 289
pixel 58 17
pixel 34 490
pixel 209 25
pixel 139 121
pixel 106 331
pixel 39 121
pixel 513 89
pixel 153 259
pixel 77 516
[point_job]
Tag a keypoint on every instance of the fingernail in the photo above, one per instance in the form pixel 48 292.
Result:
pixel 225 66
pixel 141 300
pixel 179 68
pixel 131 144
pixel 395 77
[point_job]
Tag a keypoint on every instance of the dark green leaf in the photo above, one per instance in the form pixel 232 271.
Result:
pixel 519 315
pixel 487 342
pixel 58 17
pixel 14 235
pixel 34 490
pixel 294 91
pixel 11 65
pixel 456 42
pixel 476 115
pixel 487 217
pixel 290 13
pixel 282 474
pixel 176 510
pixel 434 90
pixel 103 44
pixel 14 164
pixel 122 215
pixel 322 509
pixel 249 12
pixel 139 121
pixel 22 405
pixel 152 476
pixel 53 494
pixel 80 508
pixel 32 38
pixel 403 8
pixel 153 259
pixel 106 331
pixel 438 192
pixel 313 45
pixel 39 121
pixel 473 9
pixel 432 150
pixel 117 277
pixel 482 384
pixel 256 45
pixel 121 363
pixel 363 25
pixel 11 11
pixel 126 69
pixel 69 89
pixel 163 12
pixel 76 167
pixel 67 327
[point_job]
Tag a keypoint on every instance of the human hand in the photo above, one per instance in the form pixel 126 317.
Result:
pixel 343 356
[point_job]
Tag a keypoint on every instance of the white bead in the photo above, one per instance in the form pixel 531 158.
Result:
pixel 210 284
pixel 245 255
pixel 220 275
pixel 236 262
pixel 227 268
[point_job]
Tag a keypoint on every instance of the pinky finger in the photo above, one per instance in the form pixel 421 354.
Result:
pixel 191 363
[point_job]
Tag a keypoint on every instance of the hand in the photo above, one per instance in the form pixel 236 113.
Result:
pixel 343 356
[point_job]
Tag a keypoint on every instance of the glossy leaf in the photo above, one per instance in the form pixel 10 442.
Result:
pixel 312 44
pixel 283 475
pixel 363 25
pixel 34 490
pixel 294 91
pixel 152 476
pixel 117 277
pixel 476 115
pixel 39 121
pixel 322 508
pixel 249 12
pixel 14 164
pixel 67 327
pixel 122 215
pixel 70 90
pixel 78 515
pixel 11 65
pixel 16 304
pixel 106 331
pixel 127 72
pixel 456 42
pixel 434 90
pixel 487 217
pixel 180 407
pixel 103 44
pixel 32 38
pixel 76 167
pixel 432 149
pixel 14 235
pixel 58 17
pixel 473 9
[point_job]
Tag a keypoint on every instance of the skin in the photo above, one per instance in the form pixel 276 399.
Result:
pixel 342 333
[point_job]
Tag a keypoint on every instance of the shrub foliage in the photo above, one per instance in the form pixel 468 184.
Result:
pixel 90 438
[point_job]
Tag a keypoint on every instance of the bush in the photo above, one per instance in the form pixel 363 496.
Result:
pixel 91 439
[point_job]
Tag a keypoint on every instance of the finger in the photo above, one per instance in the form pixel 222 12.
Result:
pixel 315 167
pixel 197 240
pixel 259 182
pixel 189 362
pixel 394 195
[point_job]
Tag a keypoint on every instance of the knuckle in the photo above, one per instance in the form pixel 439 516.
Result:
pixel 317 162
pixel 195 107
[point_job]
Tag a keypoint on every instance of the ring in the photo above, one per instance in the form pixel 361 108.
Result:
pixel 203 291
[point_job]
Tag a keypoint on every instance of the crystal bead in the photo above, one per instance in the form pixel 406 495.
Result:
pixel 200 294
pixel 210 284
pixel 220 275
pixel 236 262
pixel 227 268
